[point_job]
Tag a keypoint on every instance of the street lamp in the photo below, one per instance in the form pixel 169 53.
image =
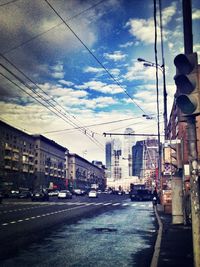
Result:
pixel 147 63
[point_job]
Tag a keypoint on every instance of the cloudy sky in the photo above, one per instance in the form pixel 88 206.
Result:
pixel 69 68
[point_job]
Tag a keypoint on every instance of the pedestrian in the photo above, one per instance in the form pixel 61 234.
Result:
pixel 155 197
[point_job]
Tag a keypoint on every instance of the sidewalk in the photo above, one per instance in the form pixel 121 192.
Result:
pixel 174 243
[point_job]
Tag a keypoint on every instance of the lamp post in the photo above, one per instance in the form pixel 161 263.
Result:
pixel 147 63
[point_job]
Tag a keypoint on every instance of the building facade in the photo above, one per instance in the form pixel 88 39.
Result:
pixel 34 161
pixel 114 159
pixel 145 161
pixel 50 163
pixel 129 141
pixel 83 173
pixel 17 156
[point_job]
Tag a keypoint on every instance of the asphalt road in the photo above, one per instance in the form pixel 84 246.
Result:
pixel 23 222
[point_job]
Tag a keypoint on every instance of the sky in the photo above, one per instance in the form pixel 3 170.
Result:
pixel 69 69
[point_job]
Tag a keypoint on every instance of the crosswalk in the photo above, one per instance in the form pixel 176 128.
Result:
pixel 69 203
pixel 64 207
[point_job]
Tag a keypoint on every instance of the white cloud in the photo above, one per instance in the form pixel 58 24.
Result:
pixel 116 56
pixel 115 72
pixel 142 29
pixel 68 83
pixel 58 71
pixel 138 72
pixel 168 13
pixel 93 70
pixel 101 87
pixel 196 14
pixel 126 44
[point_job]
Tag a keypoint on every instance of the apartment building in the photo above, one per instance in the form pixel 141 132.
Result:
pixel 30 161
pixel 83 173
pixel 17 157
pixel 50 163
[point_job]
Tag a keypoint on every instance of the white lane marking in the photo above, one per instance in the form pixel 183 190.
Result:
pixel 106 204
pixel 42 215
pixel 116 204
pixel 125 204
pixel 22 209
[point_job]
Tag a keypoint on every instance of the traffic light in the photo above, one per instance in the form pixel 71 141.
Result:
pixel 187 82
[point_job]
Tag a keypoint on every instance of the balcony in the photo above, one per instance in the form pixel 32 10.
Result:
pixel 8 147
pixel 15 169
pixel 15 150
pixel 7 157
pixel 8 167
pixel 15 158
pixel 25 169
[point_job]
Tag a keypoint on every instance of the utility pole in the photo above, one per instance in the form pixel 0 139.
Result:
pixel 192 142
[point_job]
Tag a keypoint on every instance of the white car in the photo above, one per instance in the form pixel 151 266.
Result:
pixel 65 194
pixel 92 193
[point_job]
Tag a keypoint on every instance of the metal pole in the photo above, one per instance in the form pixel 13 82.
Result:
pixel 163 71
pixel 192 142
pixel 194 183
pixel 157 97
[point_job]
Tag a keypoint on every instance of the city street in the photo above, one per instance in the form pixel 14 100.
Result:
pixel 122 227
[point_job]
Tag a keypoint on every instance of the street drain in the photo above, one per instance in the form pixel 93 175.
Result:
pixel 105 229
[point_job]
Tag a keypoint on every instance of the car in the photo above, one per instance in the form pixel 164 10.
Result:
pixel 24 194
pixel 14 194
pixel 40 195
pixel 141 195
pixel 65 194
pixel 92 193
pixel 53 193
pixel 79 192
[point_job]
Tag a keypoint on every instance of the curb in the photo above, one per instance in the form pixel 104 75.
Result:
pixel 154 261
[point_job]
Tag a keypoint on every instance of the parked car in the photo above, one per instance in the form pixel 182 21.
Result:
pixel 40 195
pixel 141 195
pixel 65 194
pixel 53 193
pixel 24 194
pixel 79 192
pixel 92 193
pixel 14 194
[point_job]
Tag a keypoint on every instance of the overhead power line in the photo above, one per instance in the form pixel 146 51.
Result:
pixel 51 28
pixel 46 104
pixel 96 124
pixel 93 55
pixel 130 134
pixel 36 85
pixel 10 2
pixel 49 99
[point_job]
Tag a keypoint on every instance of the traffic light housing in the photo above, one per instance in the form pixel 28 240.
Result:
pixel 187 82
pixel 173 157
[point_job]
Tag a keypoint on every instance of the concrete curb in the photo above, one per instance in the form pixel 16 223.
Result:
pixel 154 261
